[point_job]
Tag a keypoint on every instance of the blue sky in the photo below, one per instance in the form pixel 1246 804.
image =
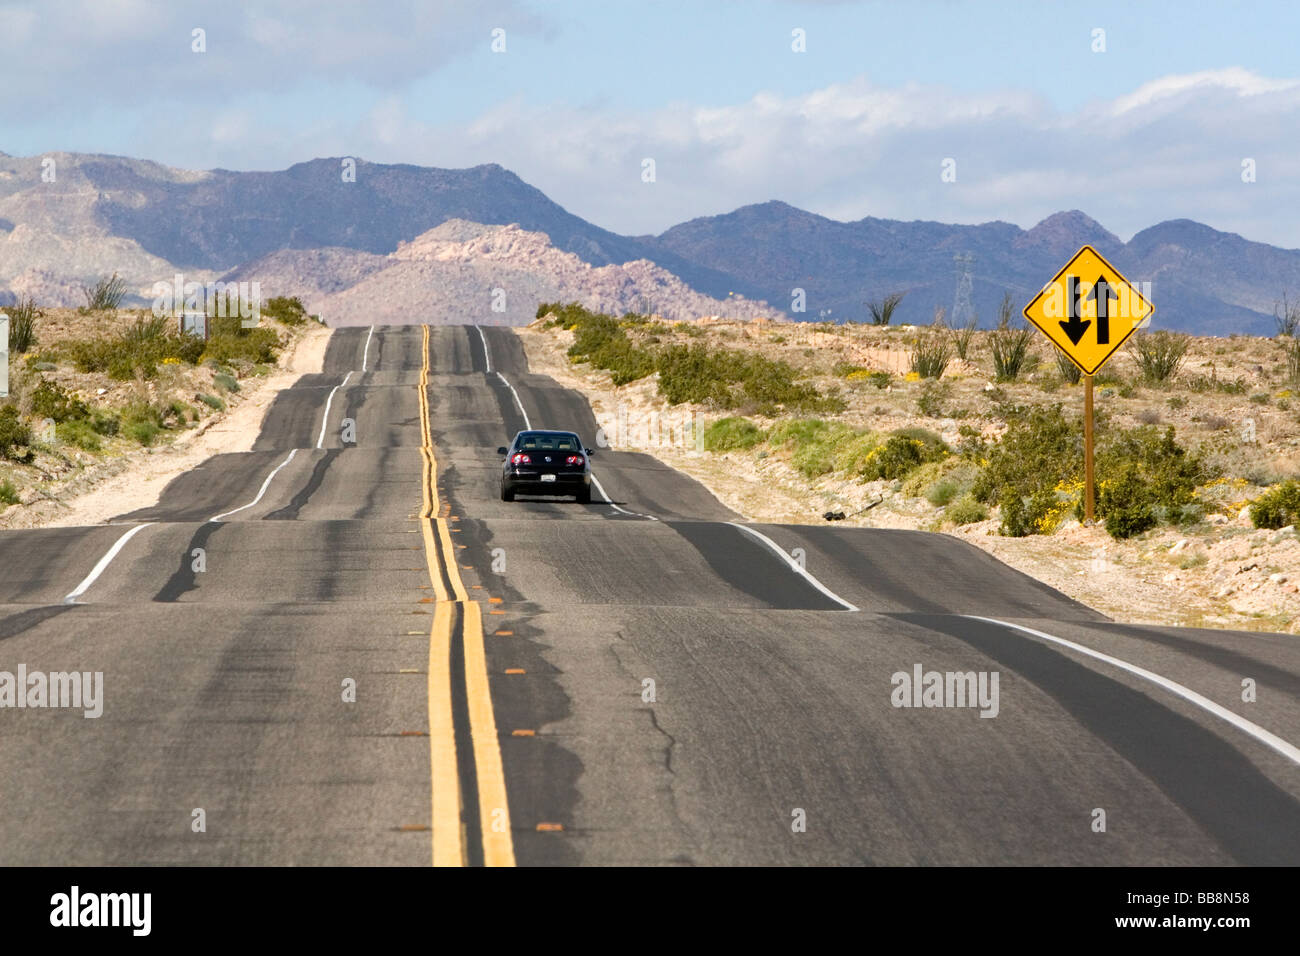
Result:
pixel 1156 127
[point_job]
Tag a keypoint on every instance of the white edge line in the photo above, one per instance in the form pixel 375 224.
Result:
pixel 794 565
pixel 610 501
pixel 266 484
pixel 104 562
pixel 365 356
pixel 325 419
pixel 1269 739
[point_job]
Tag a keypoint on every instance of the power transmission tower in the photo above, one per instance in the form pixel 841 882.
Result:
pixel 962 309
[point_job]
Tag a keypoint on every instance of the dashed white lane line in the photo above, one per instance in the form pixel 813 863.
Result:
pixel 487 358
pixel 103 564
pixel 325 419
pixel 1267 738
pixel 266 484
pixel 795 566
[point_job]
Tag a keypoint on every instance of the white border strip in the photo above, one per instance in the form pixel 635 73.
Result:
pixel 266 484
pixel 103 564
pixel 325 419
pixel 365 356
pixel 795 566
pixel 1267 738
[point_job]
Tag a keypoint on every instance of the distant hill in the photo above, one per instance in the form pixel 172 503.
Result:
pixel 146 221
pixel 462 271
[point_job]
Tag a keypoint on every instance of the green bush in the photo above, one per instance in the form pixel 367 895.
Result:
pixel 8 493
pixel 142 346
pixel 965 510
pixel 285 310
pixel 13 435
pixel 251 345
pixel 942 492
pixel 212 402
pixel 227 383
pixel 1146 478
pixel 78 432
pixel 50 400
pixel 1159 354
pixel 727 434
pixel 901 452
pixel 1277 507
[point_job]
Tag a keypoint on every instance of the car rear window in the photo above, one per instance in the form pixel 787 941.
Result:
pixel 549 443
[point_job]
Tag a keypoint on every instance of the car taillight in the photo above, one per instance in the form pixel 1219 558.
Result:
pixel 574 460
pixel 520 459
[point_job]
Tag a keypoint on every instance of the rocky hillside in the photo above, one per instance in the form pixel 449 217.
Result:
pixel 460 270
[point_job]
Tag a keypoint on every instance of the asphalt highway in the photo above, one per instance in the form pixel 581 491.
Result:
pixel 643 680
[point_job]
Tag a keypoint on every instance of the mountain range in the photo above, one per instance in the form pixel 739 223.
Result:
pixel 66 218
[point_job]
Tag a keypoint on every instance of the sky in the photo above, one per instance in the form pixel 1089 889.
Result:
pixel 1134 112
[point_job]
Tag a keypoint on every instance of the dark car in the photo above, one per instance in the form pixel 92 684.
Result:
pixel 546 463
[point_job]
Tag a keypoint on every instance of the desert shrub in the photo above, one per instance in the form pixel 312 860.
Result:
pixel 106 294
pixel 143 422
pixel 847 369
pixel 880 379
pixel 1041 448
pixel 211 401
pixel 13 435
pixel 285 309
pixel 1277 507
pixel 142 346
pixel 901 452
pixel 727 434
pixel 22 326
pixel 931 356
pixel 1069 371
pixel 961 338
pixel 1159 354
pixel 942 492
pixel 1146 478
pixel 250 345
pixel 8 493
pixel 882 310
pixel 225 382
pixel 78 432
pixel 1009 344
pixel 918 483
pixel 50 400
pixel 933 398
pixel 965 510
pixel 1177 402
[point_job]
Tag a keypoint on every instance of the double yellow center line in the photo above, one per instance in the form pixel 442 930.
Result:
pixel 449 836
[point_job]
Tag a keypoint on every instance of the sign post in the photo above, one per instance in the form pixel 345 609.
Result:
pixel 1088 311
pixel 4 355
pixel 1088 492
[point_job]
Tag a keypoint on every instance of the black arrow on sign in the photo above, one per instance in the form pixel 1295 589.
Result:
pixel 1076 326
pixel 1102 292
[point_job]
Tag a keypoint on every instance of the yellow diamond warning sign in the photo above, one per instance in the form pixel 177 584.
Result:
pixel 1089 310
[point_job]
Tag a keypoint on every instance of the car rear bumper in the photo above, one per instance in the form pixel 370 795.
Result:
pixel 532 483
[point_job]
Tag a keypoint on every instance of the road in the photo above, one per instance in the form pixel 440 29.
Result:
pixel 641 680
